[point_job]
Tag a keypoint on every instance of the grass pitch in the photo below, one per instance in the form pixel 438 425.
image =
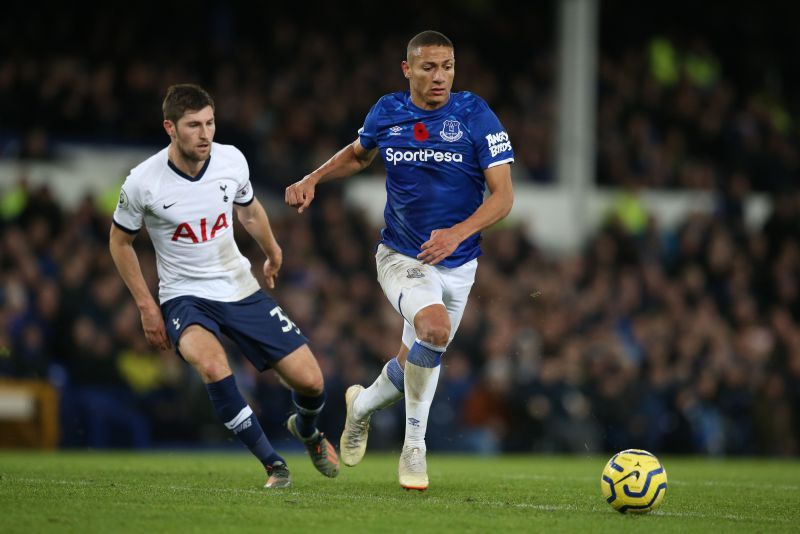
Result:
pixel 218 492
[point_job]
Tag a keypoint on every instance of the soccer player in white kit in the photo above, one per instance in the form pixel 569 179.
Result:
pixel 440 150
pixel 186 195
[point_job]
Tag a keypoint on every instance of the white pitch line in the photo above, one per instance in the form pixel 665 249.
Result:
pixel 718 483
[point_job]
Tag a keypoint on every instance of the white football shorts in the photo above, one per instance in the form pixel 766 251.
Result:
pixel 410 285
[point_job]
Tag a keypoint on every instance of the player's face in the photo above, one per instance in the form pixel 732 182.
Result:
pixel 430 71
pixel 193 134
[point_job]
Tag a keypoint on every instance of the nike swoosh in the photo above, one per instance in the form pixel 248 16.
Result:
pixel 168 206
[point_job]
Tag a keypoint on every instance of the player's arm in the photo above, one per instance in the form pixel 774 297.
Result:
pixel 495 207
pixel 255 221
pixel 120 244
pixel 348 161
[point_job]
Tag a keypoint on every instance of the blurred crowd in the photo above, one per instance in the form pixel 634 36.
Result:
pixel 682 342
pixel 291 88
pixel 673 109
pixel 668 118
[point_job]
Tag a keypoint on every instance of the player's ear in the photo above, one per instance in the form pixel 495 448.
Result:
pixel 406 69
pixel 169 127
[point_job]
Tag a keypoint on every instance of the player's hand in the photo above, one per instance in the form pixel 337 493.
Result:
pixel 300 194
pixel 154 330
pixel 441 244
pixel 271 267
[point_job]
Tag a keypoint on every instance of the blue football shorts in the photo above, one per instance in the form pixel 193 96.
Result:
pixel 258 326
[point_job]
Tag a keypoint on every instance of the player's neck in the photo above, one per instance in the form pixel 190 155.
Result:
pixel 421 104
pixel 185 165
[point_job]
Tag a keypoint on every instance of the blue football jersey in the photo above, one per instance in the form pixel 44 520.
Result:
pixel 434 163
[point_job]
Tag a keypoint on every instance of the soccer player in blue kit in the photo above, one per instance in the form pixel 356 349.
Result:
pixel 440 150
pixel 186 195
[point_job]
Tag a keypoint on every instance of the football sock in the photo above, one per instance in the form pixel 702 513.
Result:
pixel 421 377
pixel 238 417
pixel 387 389
pixel 308 408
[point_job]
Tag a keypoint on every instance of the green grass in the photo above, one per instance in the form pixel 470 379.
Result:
pixel 185 492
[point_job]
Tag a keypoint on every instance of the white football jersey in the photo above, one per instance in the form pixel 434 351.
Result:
pixel 190 221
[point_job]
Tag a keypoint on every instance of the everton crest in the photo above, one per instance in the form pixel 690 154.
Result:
pixel 451 131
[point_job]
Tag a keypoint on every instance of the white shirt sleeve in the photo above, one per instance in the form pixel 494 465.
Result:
pixel 244 191
pixel 130 208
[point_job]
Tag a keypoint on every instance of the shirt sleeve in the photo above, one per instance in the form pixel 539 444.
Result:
pixel 244 191
pixel 491 139
pixel 368 134
pixel 130 207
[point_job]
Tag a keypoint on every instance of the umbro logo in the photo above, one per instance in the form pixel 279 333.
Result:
pixel 413 422
pixel 168 206
pixel 395 130
pixel 177 323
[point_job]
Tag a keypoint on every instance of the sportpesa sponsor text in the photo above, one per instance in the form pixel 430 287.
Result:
pixel 497 144
pixel 394 156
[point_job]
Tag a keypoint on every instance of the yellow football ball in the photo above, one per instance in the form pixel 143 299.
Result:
pixel 634 481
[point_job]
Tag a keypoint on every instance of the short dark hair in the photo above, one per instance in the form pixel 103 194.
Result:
pixel 428 38
pixel 184 97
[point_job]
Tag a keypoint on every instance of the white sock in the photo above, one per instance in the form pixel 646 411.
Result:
pixel 386 390
pixel 420 382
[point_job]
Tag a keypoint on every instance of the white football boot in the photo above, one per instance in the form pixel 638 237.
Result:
pixel 353 443
pixel 413 469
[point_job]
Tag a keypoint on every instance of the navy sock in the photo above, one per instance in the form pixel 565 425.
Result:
pixel 308 408
pixel 239 417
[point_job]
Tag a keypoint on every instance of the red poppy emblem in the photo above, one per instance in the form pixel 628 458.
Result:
pixel 420 132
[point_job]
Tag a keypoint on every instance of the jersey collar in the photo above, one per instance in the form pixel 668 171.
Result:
pixel 418 109
pixel 185 176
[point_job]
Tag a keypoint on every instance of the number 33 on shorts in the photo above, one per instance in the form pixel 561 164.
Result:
pixel 287 323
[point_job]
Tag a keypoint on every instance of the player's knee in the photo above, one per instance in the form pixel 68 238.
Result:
pixel 432 326
pixel 213 370
pixel 435 334
pixel 312 386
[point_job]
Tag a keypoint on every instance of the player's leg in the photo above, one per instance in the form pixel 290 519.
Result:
pixel 361 403
pixel 203 351
pixel 435 325
pixel 301 372
pixel 269 338
pixel 396 272
pixel 387 388
pixel 404 281
pixel 422 368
